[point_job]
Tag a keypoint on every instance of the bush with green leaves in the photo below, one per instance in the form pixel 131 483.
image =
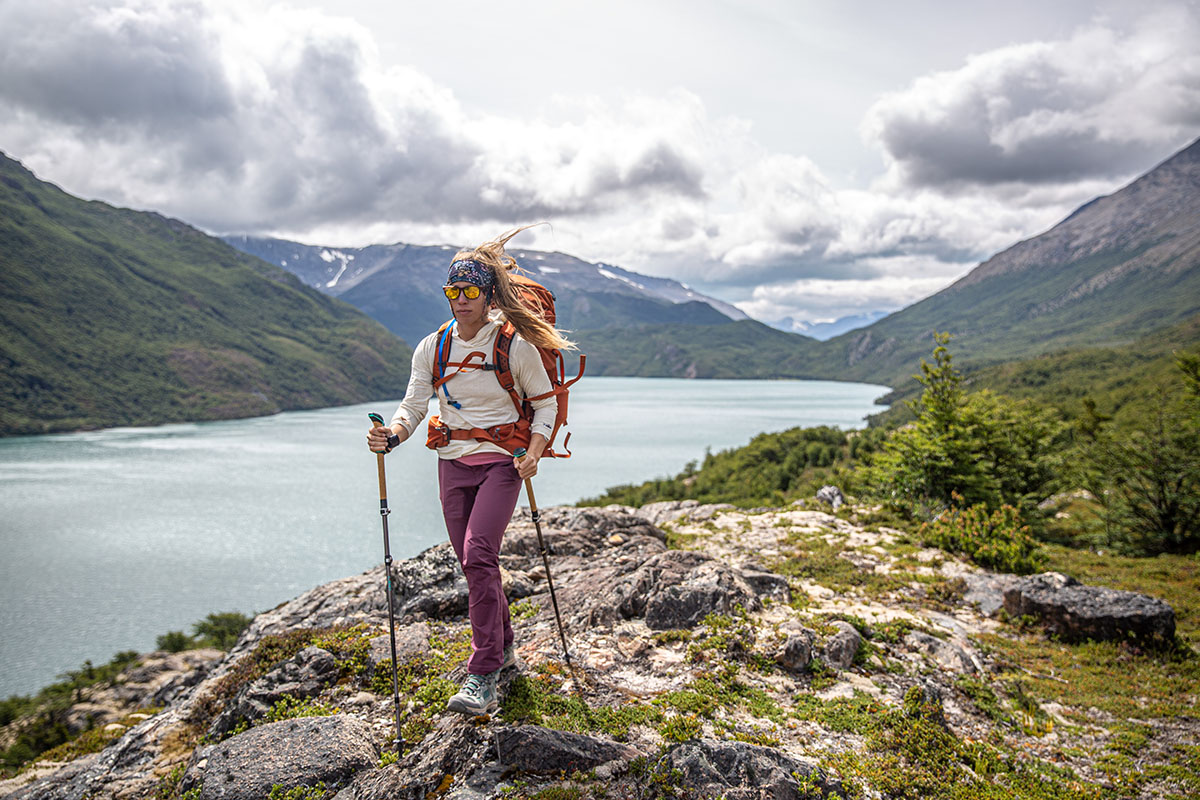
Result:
pixel 1145 473
pixel 997 540
pixel 985 447
pixel 772 469
pixel 216 630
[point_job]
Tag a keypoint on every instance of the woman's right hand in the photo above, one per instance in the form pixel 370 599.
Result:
pixel 377 438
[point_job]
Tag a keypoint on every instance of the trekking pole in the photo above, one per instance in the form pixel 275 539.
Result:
pixel 387 565
pixel 537 524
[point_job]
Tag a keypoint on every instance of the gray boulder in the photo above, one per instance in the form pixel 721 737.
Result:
pixel 412 641
pixel 946 654
pixel 841 648
pixel 767 584
pixel 302 676
pixel 831 495
pixel 741 771
pixel 986 590
pixel 1075 612
pixel 291 753
pixel 678 588
pixel 532 748
pixel 796 653
pixel 456 750
pixel 432 585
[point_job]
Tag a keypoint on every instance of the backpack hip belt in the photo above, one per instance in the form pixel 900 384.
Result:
pixel 510 435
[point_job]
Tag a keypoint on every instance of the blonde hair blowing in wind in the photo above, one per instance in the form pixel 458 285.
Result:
pixel 508 299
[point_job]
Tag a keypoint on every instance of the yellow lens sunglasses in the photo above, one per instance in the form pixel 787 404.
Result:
pixel 452 292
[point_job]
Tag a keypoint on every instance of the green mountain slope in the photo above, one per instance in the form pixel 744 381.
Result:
pixel 116 317
pixel 744 349
pixel 1117 269
pixel 1117 379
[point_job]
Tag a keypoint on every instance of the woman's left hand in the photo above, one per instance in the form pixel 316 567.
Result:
pixel 528 464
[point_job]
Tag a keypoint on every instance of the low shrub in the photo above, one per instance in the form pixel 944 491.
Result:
pixel 997 540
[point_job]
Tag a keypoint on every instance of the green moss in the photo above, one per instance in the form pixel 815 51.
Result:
pixel 674 635
pixel 534 699
pixel 289 707
pixel 351 646
pixel 1154 684
pixel 318 792
pixel 523 609
pixel 858 714
pixel 168 785
pixel 909 753
pixel 681 728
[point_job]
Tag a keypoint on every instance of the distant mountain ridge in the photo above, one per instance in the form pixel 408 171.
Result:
pixel 821 331
pixel 400 285
pixel 116 317
pixel 1118 268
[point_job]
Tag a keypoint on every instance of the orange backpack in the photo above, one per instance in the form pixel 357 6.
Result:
pixel 511 435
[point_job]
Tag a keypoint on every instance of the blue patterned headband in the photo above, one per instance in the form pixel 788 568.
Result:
pixel 471 271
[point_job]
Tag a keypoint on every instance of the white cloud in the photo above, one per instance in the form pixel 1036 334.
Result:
pixel 900 281
pixel 240 117
pixel 1097 104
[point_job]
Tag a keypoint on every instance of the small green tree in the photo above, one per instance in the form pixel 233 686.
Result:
pixel 984 448
pixel 174 642
pixel 1146 473
pixel 220 630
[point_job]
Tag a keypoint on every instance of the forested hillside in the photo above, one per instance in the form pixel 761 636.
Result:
pixel 117 317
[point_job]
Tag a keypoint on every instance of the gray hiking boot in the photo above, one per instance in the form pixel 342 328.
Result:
pixel 510 658
pixel 477 695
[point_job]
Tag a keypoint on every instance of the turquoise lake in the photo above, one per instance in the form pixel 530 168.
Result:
pixel 111 538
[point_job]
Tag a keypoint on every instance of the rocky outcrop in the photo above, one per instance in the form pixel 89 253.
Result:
pixel 310 751
pixel 1075 612
pixel 300 677
pixel 532 748
pixel 741 771
pixel 666 645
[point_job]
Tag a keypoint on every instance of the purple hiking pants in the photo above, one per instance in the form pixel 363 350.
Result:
pixel 477 502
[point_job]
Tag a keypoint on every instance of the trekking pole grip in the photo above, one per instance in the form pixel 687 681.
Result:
pixel 520 453
pixel 377 422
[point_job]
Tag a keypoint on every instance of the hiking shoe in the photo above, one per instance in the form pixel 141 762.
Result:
pixel 510 657
pixel 477 695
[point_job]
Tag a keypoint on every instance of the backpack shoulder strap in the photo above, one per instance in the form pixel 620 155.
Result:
pixel 442 358
pixel 503 365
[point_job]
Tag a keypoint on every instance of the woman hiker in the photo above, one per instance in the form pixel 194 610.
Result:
pixel 479 480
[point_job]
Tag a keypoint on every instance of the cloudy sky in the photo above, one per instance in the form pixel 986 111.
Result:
pixel 804 158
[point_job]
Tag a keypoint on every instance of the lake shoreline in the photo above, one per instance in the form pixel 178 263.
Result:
pixel 119 535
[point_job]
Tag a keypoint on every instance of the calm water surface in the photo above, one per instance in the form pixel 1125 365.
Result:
pixel 113 537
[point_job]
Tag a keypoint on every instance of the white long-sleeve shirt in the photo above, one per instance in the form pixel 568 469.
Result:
pixel 484 402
